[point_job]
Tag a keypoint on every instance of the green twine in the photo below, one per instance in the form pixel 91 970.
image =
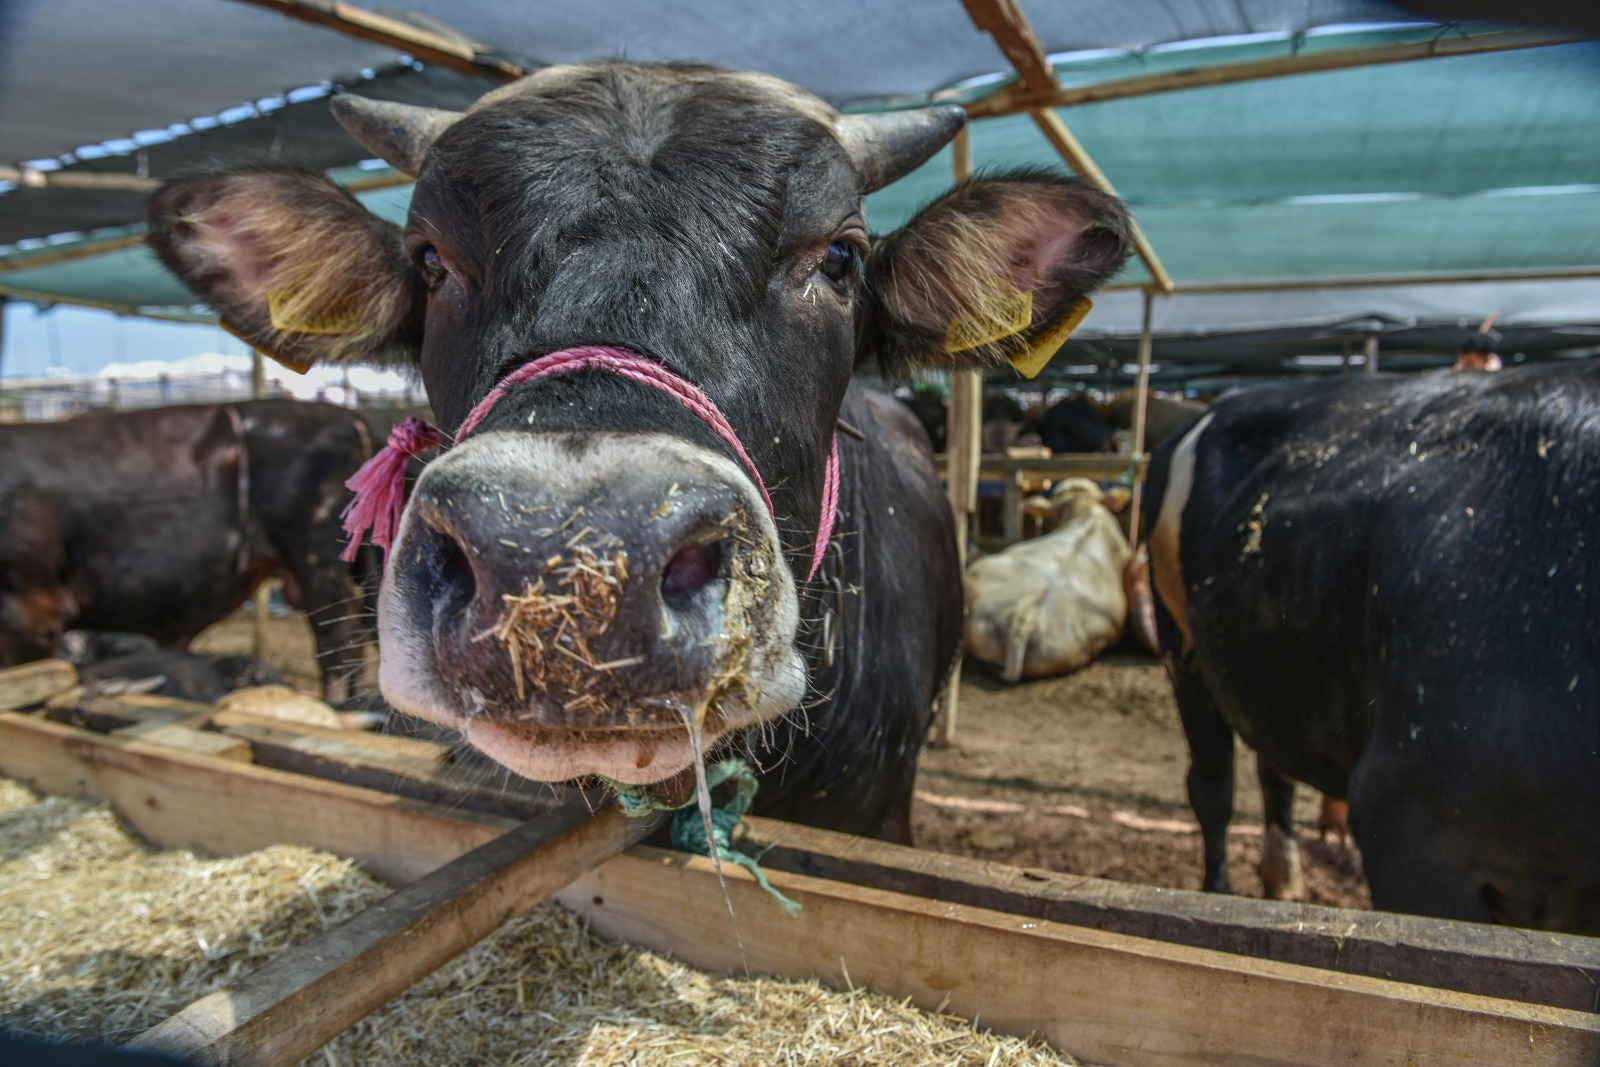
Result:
pixel 688 828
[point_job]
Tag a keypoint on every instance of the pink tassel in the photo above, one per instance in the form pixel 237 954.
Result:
pixel 380 487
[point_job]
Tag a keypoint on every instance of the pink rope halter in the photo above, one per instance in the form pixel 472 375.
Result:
pixel 379 486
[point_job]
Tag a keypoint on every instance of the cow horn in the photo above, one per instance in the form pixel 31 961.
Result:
pixel 887 145
pixel 398 134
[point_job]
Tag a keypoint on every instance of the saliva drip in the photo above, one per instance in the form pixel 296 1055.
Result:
pixel 695 725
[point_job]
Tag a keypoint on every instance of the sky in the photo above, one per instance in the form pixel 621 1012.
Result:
pixel 83 340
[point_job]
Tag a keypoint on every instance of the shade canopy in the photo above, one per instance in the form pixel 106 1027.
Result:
pixel 1473 166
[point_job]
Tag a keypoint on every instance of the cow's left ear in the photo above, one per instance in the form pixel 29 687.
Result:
pixel 294 265
pixel 997 270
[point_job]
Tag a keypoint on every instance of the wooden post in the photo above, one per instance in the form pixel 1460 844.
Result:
pixel 1140 403
pixel 1012 517
pixel 258 389
pixel 1344 355
pixel 1371 350
pixel 964 441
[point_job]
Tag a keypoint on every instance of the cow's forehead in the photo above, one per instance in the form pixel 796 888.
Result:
pixel 553 82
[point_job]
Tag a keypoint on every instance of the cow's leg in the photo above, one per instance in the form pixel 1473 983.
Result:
pixel 1210 778
pixel 1281 877
pixel 1413 863
pixel 340 623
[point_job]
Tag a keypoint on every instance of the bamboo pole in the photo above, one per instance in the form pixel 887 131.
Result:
pixel 1013 99
pixel 454 52
pixel 1078 158
pixel 964 444
pixel 1005 22
pixel 1140 405
pixel 258 390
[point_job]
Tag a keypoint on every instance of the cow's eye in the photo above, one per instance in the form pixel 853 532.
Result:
pixel 839 261
pixel 430 263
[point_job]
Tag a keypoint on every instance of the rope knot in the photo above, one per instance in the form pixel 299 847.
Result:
pixel 380 487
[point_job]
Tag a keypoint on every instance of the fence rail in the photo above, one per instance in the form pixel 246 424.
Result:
pixel 47 400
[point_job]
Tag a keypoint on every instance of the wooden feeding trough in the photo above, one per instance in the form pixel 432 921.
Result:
pixel 1111 973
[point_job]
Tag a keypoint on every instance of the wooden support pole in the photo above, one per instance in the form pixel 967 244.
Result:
pixel 1076 157
pixel 315 991
pixel 263 596
pixel 1371 351
pixel 964 441
pixel 1141 404
pixel 1005 22
pixel 453 52
pixel 1017 98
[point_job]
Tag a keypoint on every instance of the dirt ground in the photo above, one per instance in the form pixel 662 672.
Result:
pixel 1082 774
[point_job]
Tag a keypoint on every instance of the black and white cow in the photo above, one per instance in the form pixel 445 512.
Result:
pixel 596 563
pixel 1388 587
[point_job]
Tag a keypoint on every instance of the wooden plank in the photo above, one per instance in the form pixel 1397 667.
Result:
pixel 309 995
pixel 186 739
pixel 336 759
pixel 34 683
pixel 103 714
pixel 381 745
pixel 175 799
pixel 1104 997
pixel 1014 99
pixel 994 467
pixel 1557 970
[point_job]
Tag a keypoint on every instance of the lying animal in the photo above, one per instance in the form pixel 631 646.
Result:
pixel 1050 605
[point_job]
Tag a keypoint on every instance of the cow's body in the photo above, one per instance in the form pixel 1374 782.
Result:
pixel 1387 587
pixel 1050 605
pixel 162 522
pixel 637 295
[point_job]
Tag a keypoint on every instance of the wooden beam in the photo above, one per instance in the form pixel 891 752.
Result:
pixel 1102 997
pixel 1557 970
pixel 1467 277
pixel 1104 465
pixel 1141 403
pixel 1062 140
pixel 964 443
pixel 1004 21
pixel 452 52
pixel 179 800
pixel 32 178
pixel 315 991
pixel 1015 99
pixel 34 683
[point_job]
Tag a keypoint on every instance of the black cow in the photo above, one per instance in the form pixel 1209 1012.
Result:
pixel 593 567
pixel 1387 587
pixel 1072 424
pixel 162 522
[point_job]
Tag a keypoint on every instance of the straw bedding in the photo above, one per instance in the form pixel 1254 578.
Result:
pixel 102 936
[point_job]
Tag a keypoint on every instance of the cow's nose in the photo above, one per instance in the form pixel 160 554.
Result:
pixel 479 557
pixel 540 589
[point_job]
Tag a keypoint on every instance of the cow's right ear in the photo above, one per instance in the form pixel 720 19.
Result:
pixel 293 264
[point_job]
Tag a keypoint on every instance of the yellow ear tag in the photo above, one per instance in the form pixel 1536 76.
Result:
pixel 1032 360
pixel 1000 311
pixel 335 321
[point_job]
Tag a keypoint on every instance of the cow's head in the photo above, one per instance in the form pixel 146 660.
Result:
pixel 592 567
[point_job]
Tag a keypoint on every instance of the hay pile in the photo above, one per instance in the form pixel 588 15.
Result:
pixel 101 937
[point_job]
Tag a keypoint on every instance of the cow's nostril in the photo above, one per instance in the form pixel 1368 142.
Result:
pixel 690 570
pixel 454 583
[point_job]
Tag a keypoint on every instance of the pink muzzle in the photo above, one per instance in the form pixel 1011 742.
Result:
pixel 379 486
